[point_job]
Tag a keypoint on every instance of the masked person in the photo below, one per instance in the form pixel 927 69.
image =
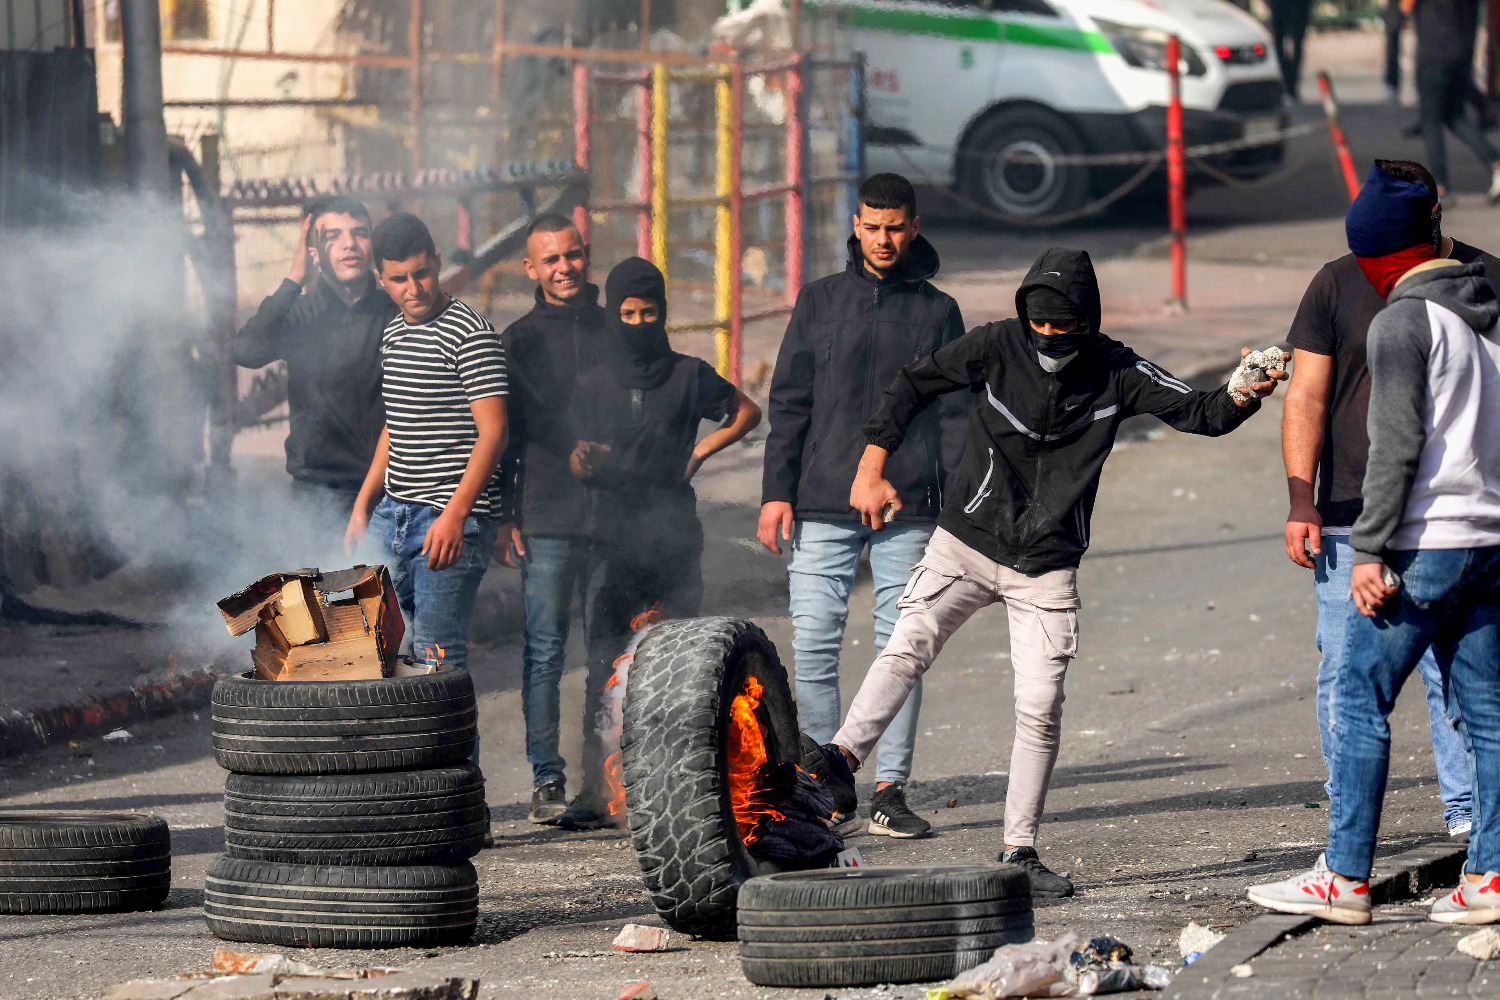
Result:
pixel 637 417
pixel 325 322
pixel 1047 394
pixel 1391 227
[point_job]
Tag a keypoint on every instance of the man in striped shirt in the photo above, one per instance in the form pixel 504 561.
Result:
pixel 444 385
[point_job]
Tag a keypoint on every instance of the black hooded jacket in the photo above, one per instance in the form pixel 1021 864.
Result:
pixel 849 335
pixel 548 349
pixel 1037 440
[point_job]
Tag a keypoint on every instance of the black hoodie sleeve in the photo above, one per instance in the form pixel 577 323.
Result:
pixel 789 409
pixel 263 338
pixel 1145 388
pixel 954 366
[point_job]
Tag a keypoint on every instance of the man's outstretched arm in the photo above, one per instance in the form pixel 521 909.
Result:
pixel 1302 429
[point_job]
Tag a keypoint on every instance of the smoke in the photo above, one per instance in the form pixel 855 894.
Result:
pixel 104 388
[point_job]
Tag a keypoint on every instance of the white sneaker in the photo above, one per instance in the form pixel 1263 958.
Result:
pixel 1318 894
pixel 1494 194
pixel 1460 829
pixel 1471 903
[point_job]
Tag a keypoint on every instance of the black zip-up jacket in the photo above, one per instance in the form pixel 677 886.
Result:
pixel 1037 440
pixel 547 349
pixel 849 335
pixel 332 355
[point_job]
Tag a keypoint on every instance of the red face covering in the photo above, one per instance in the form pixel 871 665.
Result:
pixel 1384 272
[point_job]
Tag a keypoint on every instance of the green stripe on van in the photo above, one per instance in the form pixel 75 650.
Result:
pixel 974 29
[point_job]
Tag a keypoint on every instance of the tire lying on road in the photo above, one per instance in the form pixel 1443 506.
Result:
pixel 343 727
pixel 880 924
pixel 324 906
pixel 674 750
pixel 77 862
pixel 430 817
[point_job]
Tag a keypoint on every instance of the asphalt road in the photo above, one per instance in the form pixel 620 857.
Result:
pixel 1189 758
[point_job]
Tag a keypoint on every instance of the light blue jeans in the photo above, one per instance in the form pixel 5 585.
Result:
pixel 551 573
pixel 437 604
pixel 825 555
pixel 1331 582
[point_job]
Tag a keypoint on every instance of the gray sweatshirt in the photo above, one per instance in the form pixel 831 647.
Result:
pixel 1433 477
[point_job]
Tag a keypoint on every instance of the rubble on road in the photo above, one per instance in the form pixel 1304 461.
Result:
pixel 638 991
pixel 1196 939
pixel 271 976
pixel 640 937
pixel 1483 945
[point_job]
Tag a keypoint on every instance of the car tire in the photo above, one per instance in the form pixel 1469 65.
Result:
pixel 76 862
pixel 324 906
pixel 433 817
pixel 880 924
pixel 1034 186
pixel 343 727
pixel 674 744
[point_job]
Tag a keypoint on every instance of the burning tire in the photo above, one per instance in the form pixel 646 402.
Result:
pixel 676 755
pixel 858 926
pixel 74 862
pixel 318 906
pixel 402 818
pixel 343 727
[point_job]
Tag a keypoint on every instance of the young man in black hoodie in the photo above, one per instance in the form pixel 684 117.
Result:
pixel 549 347
pixel 849 335
pixel 1047 393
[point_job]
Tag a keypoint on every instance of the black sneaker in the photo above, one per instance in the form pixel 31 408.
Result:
pixel 547 803
pixel 1045 883
pixel 586 812
pixel 890 816
pixel 829 765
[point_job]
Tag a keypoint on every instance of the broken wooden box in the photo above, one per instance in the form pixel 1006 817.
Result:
pixel 314 626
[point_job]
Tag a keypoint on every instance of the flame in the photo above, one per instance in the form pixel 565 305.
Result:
pixel 747 755
pixel 614 781
pixel 650 617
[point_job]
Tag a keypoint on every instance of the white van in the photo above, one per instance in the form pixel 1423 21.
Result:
pixel 985 95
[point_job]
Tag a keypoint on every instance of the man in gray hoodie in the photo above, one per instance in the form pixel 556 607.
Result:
pixel 1426 572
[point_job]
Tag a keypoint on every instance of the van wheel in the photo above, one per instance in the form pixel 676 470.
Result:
pixel 1009 163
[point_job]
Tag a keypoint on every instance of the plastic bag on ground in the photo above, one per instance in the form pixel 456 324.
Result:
pixel 1067 967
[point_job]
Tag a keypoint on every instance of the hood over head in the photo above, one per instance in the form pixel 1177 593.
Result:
pixel 920 263
pixel 1390 215
pixel 1069 272
pixel 643 355
pixel 1463 288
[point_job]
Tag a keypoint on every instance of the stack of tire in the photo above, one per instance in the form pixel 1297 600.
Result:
pixel 81 862
pixel 350 812
pixel 879 924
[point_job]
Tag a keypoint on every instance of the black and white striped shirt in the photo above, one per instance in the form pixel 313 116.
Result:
pixel 432 371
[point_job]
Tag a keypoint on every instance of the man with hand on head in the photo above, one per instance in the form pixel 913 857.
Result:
pixel 849 335
pixel 1047 392
pixel 1392 226
pixel 330 341
pixel 562 336
pixel 444 389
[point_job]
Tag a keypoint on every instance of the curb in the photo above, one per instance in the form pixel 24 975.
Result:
pixel 167 691
pixel 1401 876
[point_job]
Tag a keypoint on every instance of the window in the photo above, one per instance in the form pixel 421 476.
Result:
pixel 184 20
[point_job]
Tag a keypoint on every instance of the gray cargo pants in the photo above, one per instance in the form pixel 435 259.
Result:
pixel 949 585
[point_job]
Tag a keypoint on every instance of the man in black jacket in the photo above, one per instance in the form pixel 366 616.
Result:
pixel 849 335
pixel 330 341
pixel 562 336
pixel 1047 393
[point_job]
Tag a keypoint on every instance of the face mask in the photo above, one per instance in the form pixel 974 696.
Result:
pixel 1059 345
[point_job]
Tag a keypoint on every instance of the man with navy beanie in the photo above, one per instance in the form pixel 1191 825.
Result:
pixel 1393 226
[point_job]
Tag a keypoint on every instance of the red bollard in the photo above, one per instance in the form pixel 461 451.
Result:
pixel 1331 110
pixel 1176 180
pixel 795 177
pixel 583 128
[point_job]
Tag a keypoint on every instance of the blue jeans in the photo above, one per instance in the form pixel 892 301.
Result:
pixel 552 572
pixel 438 604
pixel 825 556
pixel 1331 582
pixel 1448 601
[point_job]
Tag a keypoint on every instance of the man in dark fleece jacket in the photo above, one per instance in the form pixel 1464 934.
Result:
pixel 1426 573
pixel 330 341
pixel 1047 392
pixel 562 336
pixel 849 335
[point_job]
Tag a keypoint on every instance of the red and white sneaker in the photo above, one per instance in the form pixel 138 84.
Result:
pixel 1319 893
pixel 1471 903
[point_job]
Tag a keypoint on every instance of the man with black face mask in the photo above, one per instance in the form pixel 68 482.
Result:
pixel 637 418
pixel 1047 393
